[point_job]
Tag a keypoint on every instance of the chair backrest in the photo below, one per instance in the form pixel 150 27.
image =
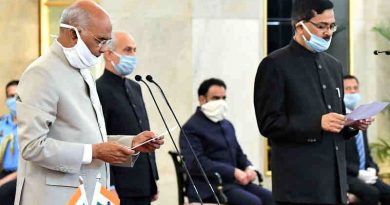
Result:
pixel 182 180
pixel 181 176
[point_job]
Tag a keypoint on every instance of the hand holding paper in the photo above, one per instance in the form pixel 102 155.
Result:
pixel 365 112
pixel 154 142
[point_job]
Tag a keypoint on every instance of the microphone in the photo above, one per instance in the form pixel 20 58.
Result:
pixel 139 79
pixel 150 79
pixel 376 52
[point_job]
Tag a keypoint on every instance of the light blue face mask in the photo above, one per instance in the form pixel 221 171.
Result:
pixel 316 43
pixel 126 64
pixel 351 100
pixel 11 104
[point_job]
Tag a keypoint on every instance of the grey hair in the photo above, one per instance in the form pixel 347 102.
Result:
pixel 75 16
pixel 111 44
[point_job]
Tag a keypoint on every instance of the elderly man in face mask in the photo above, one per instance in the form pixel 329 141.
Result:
pixel 9 150
pixel 361 168
pixel 125 114
pixel 61 127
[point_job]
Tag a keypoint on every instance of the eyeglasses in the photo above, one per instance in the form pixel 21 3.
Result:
pixel 100 42
pixel 324 26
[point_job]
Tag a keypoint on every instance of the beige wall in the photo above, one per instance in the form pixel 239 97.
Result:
pixel 373 71
pixel 19 42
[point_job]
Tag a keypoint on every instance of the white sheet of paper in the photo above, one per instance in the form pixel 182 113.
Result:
pixel 365 111
pixel 156 137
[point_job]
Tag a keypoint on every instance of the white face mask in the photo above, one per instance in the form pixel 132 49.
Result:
pixel 79 56
pixel 215 110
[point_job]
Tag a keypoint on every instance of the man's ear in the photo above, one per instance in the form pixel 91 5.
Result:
pixel 299 28
pixel 108 55
pixel 72 34
pixel 202 99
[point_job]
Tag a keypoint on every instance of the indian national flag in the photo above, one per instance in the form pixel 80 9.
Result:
pixel 102 196
pixel 79 197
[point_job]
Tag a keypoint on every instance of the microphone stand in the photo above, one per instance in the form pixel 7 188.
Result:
pixel 139 78
pixel 150 79
pixel 376 52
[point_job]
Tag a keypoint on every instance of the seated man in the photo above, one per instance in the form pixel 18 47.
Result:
pixel 214 141
pixel 9 151
pixel 361 169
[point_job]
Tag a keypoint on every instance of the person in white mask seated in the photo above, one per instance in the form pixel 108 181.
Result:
pixel 362 171
pixel 215 143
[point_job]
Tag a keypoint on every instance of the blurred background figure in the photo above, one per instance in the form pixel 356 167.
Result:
pixel 9 149
pixel 362 171
pixel 215 143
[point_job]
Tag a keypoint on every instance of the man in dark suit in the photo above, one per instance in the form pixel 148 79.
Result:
pixel 299 107
pixel 214 141
pixel 125 114
pixel 361 169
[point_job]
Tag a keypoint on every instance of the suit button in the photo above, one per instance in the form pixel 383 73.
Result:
pixel 140 121
pixel 133 105
pixel 319 66
pixel 324 87
pixel 329 107
pixel 337 148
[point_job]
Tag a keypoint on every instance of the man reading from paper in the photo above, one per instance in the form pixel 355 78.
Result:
pixel 61 126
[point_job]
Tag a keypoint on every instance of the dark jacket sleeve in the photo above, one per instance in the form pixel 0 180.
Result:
pixel 241 158
pixel 270 105
pixel 225 170
pixel 369 160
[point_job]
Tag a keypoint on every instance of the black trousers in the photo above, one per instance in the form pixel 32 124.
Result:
pixel 7 191
pixel 370 194
pixel 250 194
pixel 287 203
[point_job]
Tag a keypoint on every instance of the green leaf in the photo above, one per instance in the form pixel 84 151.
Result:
pixel 383 30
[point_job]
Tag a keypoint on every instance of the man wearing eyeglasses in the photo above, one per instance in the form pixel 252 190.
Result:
pixel 61 128
pixel 299 107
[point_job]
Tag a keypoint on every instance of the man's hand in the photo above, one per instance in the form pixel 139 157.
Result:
pixel 155 197
pixel 148 147
pixel 241 176
pixel 362 124
pixel 333 122
pixel 251 174
pixel 111 152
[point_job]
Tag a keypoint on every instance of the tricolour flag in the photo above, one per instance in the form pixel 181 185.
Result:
pixel 79 197
pixel 102 196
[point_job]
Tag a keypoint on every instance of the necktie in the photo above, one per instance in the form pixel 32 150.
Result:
pixel 361 151
pixel 86 74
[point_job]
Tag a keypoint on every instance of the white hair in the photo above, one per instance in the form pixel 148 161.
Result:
pixel 75 16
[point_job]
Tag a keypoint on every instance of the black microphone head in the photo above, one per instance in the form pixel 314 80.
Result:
pixel 376 52
pixel 138 78
pixel 149 78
